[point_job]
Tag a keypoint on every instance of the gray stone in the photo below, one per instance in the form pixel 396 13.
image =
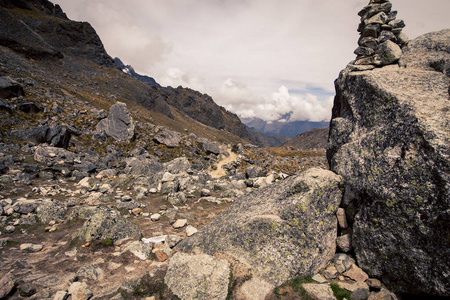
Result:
pixel 51 211
pixel 319 291
pixel 91 272
pixel 61 295
pixel 139 249
pixel 9 229
pixel 7 284
pixel 31 248
pixel 179 223
pixel 5 106
pixel 191 230
pixel 198 276
pixel 178 165
pixel 342 218
pixel 80 291
pixel 108 224
pixel 119 124
pixel 344 242
pixel 10 88
pixel 255 171
pixel 394 158
pixel 143 166
pixel 54 135
pixel 286 229
pixel 356 274
pixel 168 138
pixel 389 52
pixel 360 294
pixel 208 147
pixel 53 155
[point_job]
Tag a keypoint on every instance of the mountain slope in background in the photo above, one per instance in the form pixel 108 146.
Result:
pixel 130 71
pixel 314 139
pixel 291 129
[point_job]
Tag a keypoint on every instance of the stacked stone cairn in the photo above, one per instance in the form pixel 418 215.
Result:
pixel 382 39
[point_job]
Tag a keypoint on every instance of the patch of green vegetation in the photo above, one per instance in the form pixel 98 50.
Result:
pixel 29 160
pixel 296 285
pixel 246 278
pixel 108 242
pixel 340 293
pixel 12 243
pixel 74 242
pixel 230 286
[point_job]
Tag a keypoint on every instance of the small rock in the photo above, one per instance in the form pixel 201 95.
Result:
pixel 136 211
pixel 139 249
pixel 60 295
pixel 191 230
pixel 344 242
pixel 155 217
pixel 319 278
pixel 342 219
pixel 357 274
pixel 9 229
pixel 6 285
pixel 31 248
pixel 80 291
pixel 352 286
pixel 319 291
pixel 382 295
pixel 179 223
pixel 360 294
pixel 374 283
pixel 160 256
pixel 26 289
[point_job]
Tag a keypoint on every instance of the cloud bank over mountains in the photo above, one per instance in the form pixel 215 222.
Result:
pixel 261 58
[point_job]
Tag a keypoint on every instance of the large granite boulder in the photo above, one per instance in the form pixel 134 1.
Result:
pixel 390 140
pixel 107 224
pixel 167 137
pixel 284 230
pixel 54 135
pixel 119 124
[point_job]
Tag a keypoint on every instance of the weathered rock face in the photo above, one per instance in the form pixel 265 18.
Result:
pixel 390 140
pixel 198 276
pixel 280 231
pixel 9 88
pixel 108 224
pixel 119 124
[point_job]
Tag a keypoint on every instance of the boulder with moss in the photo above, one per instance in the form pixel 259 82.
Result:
pixel 284 230
pixel 390 141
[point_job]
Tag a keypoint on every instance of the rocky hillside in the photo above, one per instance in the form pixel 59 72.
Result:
pixel 286 128
pixel 313 139
pixel 127 69
pixel 101 177
pixel 108 190
pixel 197 106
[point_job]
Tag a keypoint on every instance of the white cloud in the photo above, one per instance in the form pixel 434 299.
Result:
pixel 260 44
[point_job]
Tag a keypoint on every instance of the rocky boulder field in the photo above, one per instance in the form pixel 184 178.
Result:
pixel 109 190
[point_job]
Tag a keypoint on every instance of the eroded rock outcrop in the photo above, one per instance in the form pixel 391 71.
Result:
pixel 287 229
pixel 390 140
pixel 119 124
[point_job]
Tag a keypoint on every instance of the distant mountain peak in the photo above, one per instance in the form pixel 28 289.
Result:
pixel 129 70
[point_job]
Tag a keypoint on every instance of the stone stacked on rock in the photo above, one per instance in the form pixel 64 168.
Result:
pixel 381 40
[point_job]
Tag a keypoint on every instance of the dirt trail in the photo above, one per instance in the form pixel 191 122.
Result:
pixel 219 172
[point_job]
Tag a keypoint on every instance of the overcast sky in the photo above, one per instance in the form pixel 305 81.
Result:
pixel 257 58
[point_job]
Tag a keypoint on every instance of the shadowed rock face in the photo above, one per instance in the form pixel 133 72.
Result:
pixel 390 140
pixel 285 230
